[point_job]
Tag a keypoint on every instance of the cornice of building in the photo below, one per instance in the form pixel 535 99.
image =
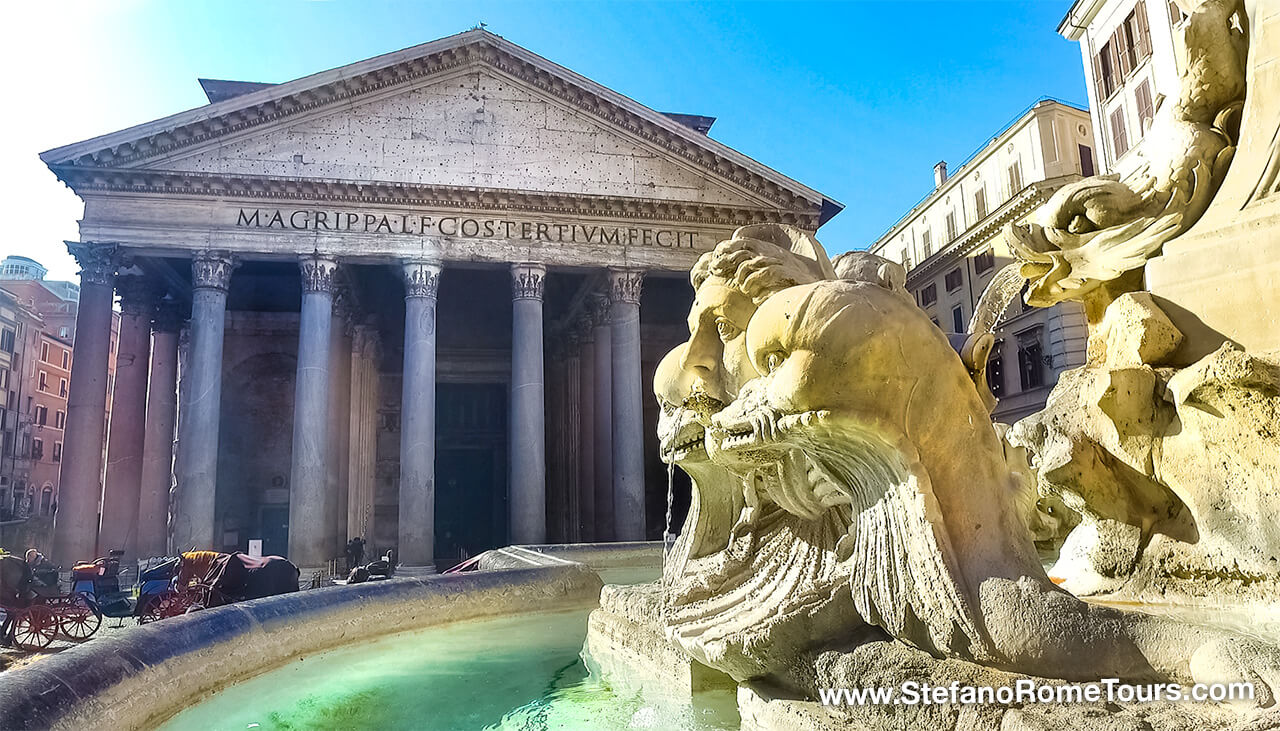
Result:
pixel 89 180
pixel 1041 106
pixel 1077 20
pixel 347 85
pixel 1027 200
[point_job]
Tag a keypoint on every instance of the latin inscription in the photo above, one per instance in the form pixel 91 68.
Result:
pixel 463 227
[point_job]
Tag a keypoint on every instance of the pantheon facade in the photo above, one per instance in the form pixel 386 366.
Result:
pixel 417 299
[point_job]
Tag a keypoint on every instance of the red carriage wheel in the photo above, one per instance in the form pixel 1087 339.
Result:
pixel 170 604
pixel 78 620
pixel 35 627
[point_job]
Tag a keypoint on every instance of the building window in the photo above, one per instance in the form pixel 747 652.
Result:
pixel 1105 71
pixel 1015 178
pixel 44 352
pixel 926 243
pixel 44 381
pixel 6 340
pixel 957 319
pixel 37 449
pixel 1176 16
pixel 995 376
pixel 929 295
pixel 66 359
pixel 980 203
pixel 951 226
pixel 984 261
pixel 60 419
pixel 1086 160
pixel 62 387
pixel 4 379
pixel 1030 361
pixel 934 320
pixel 57 451
pixel 954 280
pixel 46 500
pixel 1146 111
pixel 64 332
pixel 1118 135
pixel 42 415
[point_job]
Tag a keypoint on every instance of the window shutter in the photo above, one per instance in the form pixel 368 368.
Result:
pixel 1117 50
pixel 1144 30
pixel 1121 43
pixel 1098 83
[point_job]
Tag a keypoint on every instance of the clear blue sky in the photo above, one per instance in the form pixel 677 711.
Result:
pixel 855 99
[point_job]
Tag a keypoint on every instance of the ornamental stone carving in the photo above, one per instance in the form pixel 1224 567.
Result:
pixel 212 270
pixel 318 273
pixel 527 281
pixel 625 284
pixel 138 295
pixel 168 316
pixel 98 262
pixel 598 311
pixel 421 278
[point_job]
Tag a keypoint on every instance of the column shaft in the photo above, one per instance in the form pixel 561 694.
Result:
pixel 339 422
pixel 310 521
pixel 75 529
pixel 157 449
pixel 603 427
pixel 198 436
pixel 528 502
pixel 628 415
pixel 586 439
pixel 417 521
pixel 122 489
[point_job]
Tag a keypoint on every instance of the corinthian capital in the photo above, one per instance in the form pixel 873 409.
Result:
pixel 527 281
pixel 599 309
pixel 138 295
pixel 317 273
pixel 212 270
pixel 624 285
pixel 168 316
pixel 421 278
pixel 98 262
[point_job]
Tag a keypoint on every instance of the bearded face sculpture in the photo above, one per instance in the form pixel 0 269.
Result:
pixel 849 476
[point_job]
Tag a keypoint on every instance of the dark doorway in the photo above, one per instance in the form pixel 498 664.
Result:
pixel 275 530
pixel 471 470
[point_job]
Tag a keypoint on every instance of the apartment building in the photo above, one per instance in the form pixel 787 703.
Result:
pixel 950 243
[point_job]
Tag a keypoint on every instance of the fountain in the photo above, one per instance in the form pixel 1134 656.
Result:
pixel 857 521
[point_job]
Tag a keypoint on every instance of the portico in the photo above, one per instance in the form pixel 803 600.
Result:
pixel 422 295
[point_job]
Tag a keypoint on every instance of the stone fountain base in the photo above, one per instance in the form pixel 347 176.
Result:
pixel 625 641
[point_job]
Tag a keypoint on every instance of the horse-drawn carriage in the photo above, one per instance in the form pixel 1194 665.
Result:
pixel 35 613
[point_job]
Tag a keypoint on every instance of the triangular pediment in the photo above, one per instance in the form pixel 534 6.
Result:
pixel 468 111
pixel 473 129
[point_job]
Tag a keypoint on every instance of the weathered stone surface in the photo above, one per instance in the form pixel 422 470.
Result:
pixel 1135 332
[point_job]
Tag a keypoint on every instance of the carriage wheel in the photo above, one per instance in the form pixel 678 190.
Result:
pixel 164 606
pixel 79 621
pixel 35 627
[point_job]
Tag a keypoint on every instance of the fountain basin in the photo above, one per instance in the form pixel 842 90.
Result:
pixel 139 678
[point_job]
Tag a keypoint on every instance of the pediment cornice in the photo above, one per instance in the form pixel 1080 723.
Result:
pixel 210 124
pixel 90 180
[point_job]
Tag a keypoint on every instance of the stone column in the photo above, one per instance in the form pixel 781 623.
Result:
pixel 364 414
pixel 586 435
pixel 417 526
pixel 194 513
pixel 339 419
pixel 628 409
pixel 310 520
pixel 75 529
pixel 157 449
pixel 603 424
pixel 528 502
pixel 122 488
